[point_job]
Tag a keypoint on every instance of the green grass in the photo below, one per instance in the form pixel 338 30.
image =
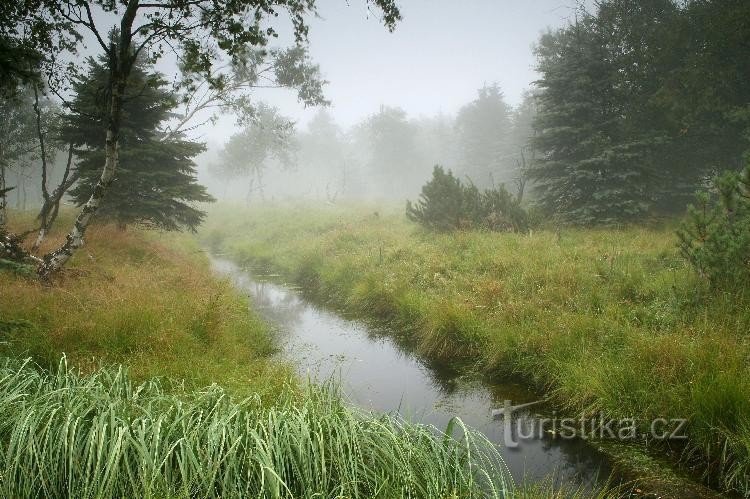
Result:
pixel 100 435
pixel 147 327
pixel 145 300
pixel 604 321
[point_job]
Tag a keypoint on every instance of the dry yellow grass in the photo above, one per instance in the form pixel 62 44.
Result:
pixel 146 300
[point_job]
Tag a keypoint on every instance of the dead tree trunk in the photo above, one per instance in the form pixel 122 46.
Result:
pixel 51 207
pixel 3 196
pixel 43 150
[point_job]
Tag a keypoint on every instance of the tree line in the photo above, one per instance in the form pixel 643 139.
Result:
pixel 387 155
pixel 639 104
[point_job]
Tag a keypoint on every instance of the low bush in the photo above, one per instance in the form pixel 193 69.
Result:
pixel 715 237
pixel 447 204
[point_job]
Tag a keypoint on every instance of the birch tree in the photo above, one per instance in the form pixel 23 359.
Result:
pixel 201 34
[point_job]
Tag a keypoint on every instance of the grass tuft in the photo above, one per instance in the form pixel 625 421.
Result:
pixel 101 435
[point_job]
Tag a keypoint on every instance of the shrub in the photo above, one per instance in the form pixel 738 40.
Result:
pixel 447 204
pixel 715 237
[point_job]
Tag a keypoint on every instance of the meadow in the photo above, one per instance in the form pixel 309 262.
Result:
pixel 605 322
pixel 137 373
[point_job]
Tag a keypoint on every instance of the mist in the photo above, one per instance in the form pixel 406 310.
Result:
pixel 414 84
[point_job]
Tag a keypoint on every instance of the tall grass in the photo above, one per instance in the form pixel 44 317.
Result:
pixel 146 300
pixel 100 435
pixel 608 322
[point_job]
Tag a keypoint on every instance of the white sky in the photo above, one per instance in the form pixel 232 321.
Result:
pixel 437 58
pixel 440 54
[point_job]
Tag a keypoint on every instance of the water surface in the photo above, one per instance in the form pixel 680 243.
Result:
pixel 378 375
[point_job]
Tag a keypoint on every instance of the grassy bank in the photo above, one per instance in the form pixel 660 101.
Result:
pixel 604 321
pixel 144 300
pixel 145 327
pixel 100 435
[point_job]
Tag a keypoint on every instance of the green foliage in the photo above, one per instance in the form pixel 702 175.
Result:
pixel 447 204
pixel 100 435
pixel 156 181
pixel 639 102
pixel 715 237
pixel 17 267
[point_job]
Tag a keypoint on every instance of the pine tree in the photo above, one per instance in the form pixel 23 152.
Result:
pixel 585 173
pixel 484 132
pixel 715 236
pixel 441 204
pixel 156 183
pixel 448 204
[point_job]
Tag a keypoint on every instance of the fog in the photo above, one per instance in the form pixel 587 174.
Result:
pixel 414 84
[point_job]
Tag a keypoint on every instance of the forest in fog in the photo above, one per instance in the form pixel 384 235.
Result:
pixel 388 156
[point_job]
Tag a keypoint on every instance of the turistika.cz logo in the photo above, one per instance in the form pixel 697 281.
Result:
pixel 517 428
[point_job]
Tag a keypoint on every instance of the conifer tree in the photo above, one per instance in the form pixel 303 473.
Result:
pixel 447 204
pixel 156 183
pixel 484 131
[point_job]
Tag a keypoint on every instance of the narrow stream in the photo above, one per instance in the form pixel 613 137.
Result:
pixel 377 375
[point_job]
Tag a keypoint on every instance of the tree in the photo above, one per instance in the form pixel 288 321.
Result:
pixel 447 204
pixel 640 103
pixel 322 155
pixel 521 142
pixel 201 32
pixel 715 236
pixel 156 183
pixel 252 68
pixel 269 137
pixel 394 162
pixel 484 127
pixel 17 139
pixel 596 163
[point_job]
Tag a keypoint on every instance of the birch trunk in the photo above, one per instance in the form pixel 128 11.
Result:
pixel 55 260
pixel 121 59
pixel 3 196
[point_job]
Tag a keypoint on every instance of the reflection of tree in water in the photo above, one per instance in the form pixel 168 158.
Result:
pixel 277 305
pixel 443 375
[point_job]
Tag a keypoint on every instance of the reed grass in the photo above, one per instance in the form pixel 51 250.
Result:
pixel 100 435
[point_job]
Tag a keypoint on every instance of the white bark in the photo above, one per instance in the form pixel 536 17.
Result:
pixel 54 261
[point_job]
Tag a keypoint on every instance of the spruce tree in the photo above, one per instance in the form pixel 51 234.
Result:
pixel 590 170
pixel 156 183
pixel 484 131
pixel 639 104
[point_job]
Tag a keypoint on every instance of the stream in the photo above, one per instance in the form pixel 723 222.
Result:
pixel 377 375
